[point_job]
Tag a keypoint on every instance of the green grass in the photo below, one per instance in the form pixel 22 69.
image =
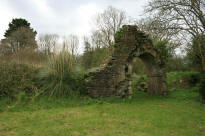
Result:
pixel 178 114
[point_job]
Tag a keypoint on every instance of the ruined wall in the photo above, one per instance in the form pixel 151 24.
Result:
pixel 114 78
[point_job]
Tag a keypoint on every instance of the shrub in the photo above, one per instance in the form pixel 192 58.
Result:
pixel 16 78
pixel 183 79
pixel 175 80
pixel 192 78
pixel 202 86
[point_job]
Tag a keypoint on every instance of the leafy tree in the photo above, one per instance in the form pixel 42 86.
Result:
pixel 165 48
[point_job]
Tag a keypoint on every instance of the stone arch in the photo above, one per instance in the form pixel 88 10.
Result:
pixel 114 78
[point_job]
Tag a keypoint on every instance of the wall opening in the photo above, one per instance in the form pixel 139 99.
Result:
pixel 115 77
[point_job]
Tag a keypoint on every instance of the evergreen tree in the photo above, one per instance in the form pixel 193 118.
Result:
pixel 18 36
pixel 15 24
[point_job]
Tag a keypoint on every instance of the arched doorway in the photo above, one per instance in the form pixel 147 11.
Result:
pixel 115 77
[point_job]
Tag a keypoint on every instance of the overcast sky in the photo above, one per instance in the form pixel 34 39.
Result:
pixel 63 17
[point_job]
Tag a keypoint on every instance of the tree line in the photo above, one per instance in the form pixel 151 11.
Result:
pixel 170 23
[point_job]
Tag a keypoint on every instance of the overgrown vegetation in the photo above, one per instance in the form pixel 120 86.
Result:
pixel 165 48
pixel 183 79
pixel 58 77
pixel 16 78
pixel 196 51
pixel 42 81
pixel 175 81
pixel 178 114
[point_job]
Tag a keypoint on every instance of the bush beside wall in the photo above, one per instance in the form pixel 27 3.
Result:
pixel 16 78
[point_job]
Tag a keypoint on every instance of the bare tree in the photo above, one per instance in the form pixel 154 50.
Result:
pixel 187 15
pixel 108 23
pixel 157 29
pixel 71 42
pixel 97 39
pixel 183 15
pixel 47 42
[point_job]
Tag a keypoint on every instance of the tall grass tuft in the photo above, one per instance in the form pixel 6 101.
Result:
pixel 58 78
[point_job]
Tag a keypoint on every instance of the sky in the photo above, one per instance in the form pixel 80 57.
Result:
pixel 63 17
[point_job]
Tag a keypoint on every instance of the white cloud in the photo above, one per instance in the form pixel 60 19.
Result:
pixel 84 17
pixel 6 16
pixel 62 17
pixel 43 8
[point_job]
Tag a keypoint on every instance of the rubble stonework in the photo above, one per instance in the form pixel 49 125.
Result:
pixel 114 78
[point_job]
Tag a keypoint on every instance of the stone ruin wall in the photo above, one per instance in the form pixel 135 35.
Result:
pixel 114 78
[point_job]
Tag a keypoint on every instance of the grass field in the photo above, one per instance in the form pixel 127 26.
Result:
pixel 178 114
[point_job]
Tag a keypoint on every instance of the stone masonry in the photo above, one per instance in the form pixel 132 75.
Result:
pixel 114 78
